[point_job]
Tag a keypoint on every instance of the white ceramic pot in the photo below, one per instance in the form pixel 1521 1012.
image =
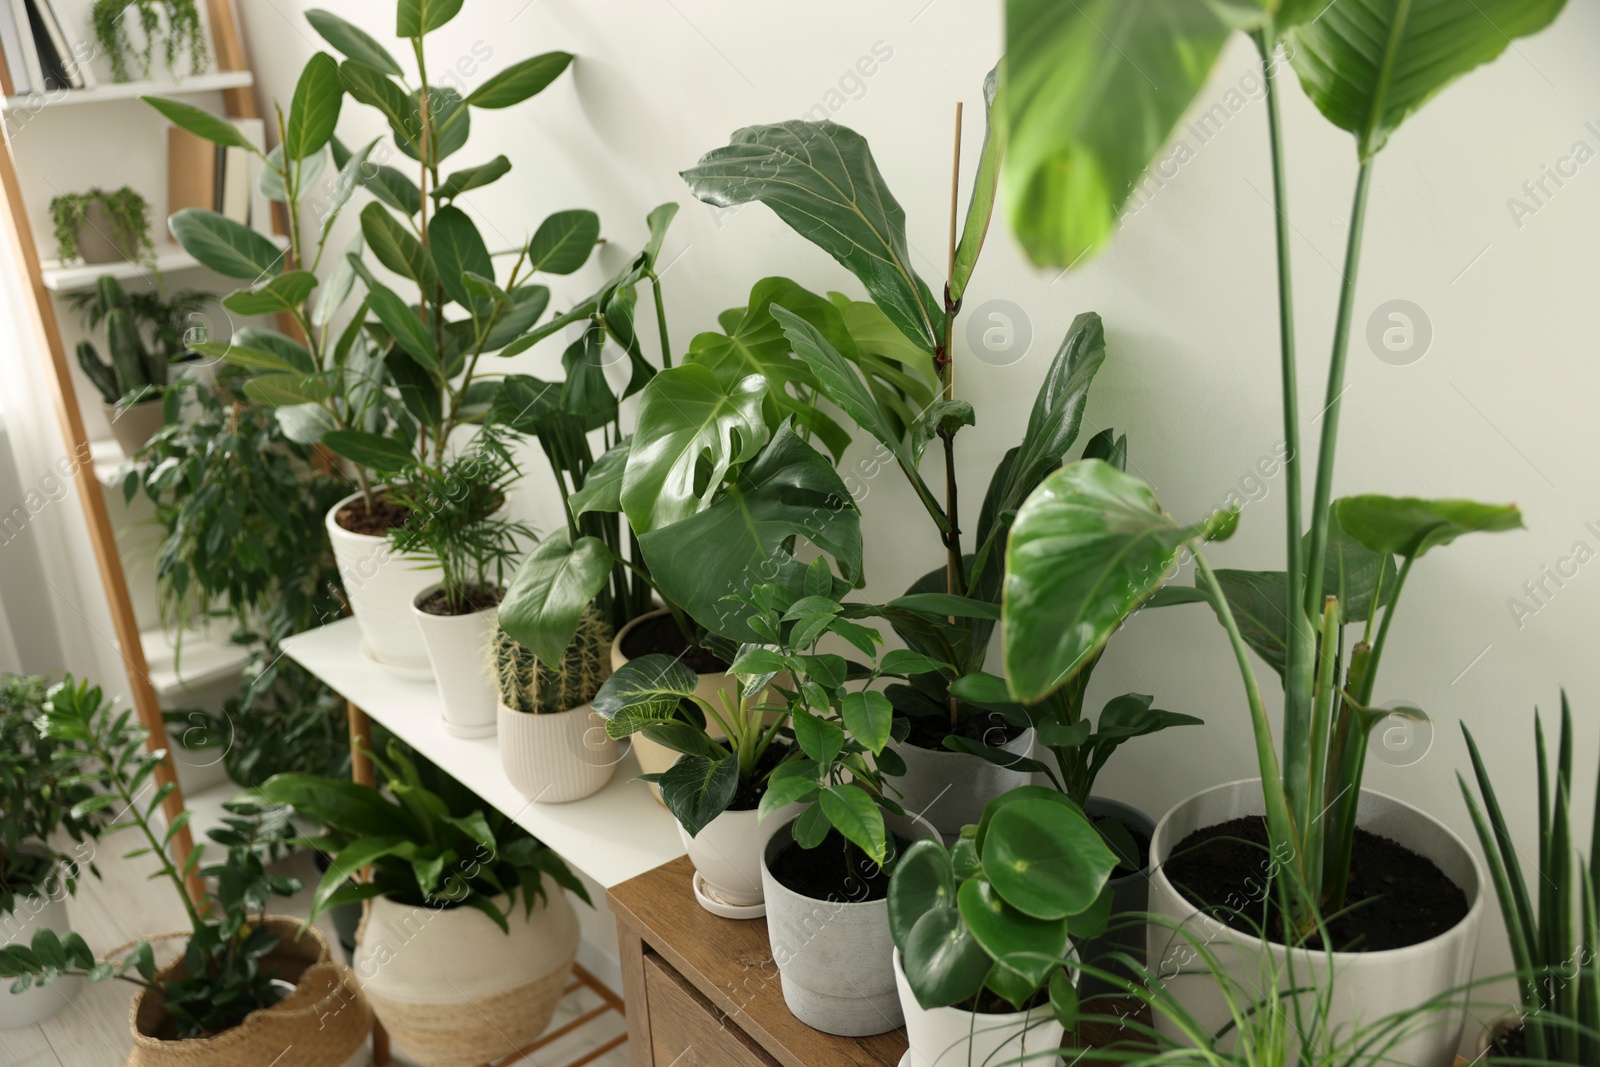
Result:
pixel 951 789
pixel 381 585
pixel 950 1037
pixel 654 757
pixel 458 648
pixel 726 854
pixel 134 425
pixel 559 757
pixel 31 915
pixel 835 957
pixel 452 989
pixel 1367 986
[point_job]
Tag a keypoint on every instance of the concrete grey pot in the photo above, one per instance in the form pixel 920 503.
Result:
pixel 835 957
pixel 951 789
pixel 1130 895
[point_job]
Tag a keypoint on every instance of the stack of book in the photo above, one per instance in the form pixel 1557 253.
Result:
pixel 35 55
pixel 205 175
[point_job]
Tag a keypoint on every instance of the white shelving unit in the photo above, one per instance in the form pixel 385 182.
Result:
pixel 611 836
pixel 168 258
pixel 198 83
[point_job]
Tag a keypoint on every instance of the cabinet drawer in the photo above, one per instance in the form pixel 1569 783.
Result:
pixel 687 1030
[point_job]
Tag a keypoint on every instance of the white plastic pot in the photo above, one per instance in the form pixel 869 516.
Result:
pixel 381 585
pixel 951 789
pixel 1367 986
pixel 653 756
pixel 950 1037
pixel 31 915
pixel 457 647
pixel 558 757
pixel 452 989
pixel 726 853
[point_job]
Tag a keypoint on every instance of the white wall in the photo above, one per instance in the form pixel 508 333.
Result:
pixel 1501 408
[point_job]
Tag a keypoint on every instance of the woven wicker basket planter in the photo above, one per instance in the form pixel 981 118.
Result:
pixel 451 989
pixel 323 1023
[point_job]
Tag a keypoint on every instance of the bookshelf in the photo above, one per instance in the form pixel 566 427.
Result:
pixel 104 93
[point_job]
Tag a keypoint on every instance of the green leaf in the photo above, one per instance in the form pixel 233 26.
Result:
pixel 520 81
pixel 781 792
pixel 810 827
pixel 285 292
pixel 458 248
pixel 277 390
pixel 690 432
pixel 942 961
pixel 393 188
pixel 602 485
pixel 563 242
pixel 1353 573
pixel 1258 600
pixel 402 321
pixel 1093 90
pixel 922 881
pixel 1368 66
pixel 1064 1000
pixel 396 246
pixel 227 247
pixel 820 739
pixel 352 41
pixel 905 661
pixel 642 692
pixel 415 18
pixel 1045 860
pixel 854 813
pixel 382 454
pixel 339 284
pixel 868 716
pixel 1003 931
pixel 1088 547
pixel 697 789
pixel 375 89
pixel 1409 526
pixel 472 178
pixel 547 596
pixel 200 122
pixel 314 110
pixel 358 810
pixel 984 185
pixel 348 863
pixel 449 121
pixel 821 179
pixel 527 304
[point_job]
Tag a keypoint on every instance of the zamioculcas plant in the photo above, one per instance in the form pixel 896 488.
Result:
pixel 1092 544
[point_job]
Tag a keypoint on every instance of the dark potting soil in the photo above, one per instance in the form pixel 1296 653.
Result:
pixel 1396 898
pixel 987 1002
pixel 478 598
pixel 383 516
pixel 835 870
pixel 749 794
pixel 1511 1045
pixel 929 731
pixel 661 634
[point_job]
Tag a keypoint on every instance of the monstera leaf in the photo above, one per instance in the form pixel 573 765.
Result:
pixel 821 179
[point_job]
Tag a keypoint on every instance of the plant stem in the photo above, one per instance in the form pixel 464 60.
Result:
pixel 661 320
pixel 1370 679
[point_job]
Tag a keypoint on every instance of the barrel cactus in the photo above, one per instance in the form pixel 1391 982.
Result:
pixel 536 688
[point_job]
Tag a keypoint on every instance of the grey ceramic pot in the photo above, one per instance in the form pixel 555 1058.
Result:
pixel 1130 895
pixel 951 789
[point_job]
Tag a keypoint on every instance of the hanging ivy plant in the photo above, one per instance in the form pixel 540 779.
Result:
pixel 181 33
pixel 126 211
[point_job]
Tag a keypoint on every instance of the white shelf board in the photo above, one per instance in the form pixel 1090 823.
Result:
pixel 614 835
pixel 109 462
pixel 168 257
pixel 205 658
pixel 100 94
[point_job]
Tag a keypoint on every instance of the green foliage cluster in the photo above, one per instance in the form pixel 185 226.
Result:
pixel 529 685
pixel 126 212
pixel 173 26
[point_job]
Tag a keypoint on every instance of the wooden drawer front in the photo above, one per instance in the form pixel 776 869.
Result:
pixel 687 1030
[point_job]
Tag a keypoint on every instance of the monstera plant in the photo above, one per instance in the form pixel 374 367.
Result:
pixel 1092 544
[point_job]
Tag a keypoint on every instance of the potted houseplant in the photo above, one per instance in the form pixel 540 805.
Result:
pixel 982 930
pixel 1341 560
pixel 1558 974
pixel 553 746
pixel 248 986
pixel 171 26
pixel 389 391
pixel 133 382
pixel 468 938
pixel 101 227
pixel 41 782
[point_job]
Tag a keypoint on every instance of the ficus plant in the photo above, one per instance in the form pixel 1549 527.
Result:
pixel 1092 544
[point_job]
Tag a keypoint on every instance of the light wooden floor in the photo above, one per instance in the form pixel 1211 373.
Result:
pixel 93 1030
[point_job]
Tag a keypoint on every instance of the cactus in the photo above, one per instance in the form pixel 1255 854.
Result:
pixel 529 686
pixel 99 372
pixel 127 353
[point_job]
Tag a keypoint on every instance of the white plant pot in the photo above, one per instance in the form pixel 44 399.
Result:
pixel 950 1037
pixel 951 789
pixel 726 853
pixel 1367 986
pixel 31 915
pixel 559 757
pixel 381 585
pixel 458 648
pixel 452 989
pixel 654 757
pixel 835 957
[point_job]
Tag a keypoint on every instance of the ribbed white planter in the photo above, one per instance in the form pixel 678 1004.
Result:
pixel 452 989
pixel 381 585
pixel 950 1037
pixel 1368 986
pixel 653 757
pixel 457 647
pixel 559 757
pixel 31 915
pixel 727 853
pixel 835 957
pixel 951 789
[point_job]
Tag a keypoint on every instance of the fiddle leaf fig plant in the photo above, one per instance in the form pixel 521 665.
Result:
pixel 1091 544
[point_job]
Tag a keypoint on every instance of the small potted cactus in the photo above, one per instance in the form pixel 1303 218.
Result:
pixel 133 382
pixel 553 745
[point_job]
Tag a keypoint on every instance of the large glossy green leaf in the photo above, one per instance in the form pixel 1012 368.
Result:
pixel 1353 572
pixel 227 247
pixel 922 881
pixel 527 304
pixel 285 292
pixel 942 961
pixel 376 89
pixel 854 813
pixel 1046 860
pixel 374 451
pixel 469 178
pixel 200 122
pixel 821 179
pixel 314 109
pixel 563 242
pixel 868 716
pixel 1409 526
pixel 690 431
pixel 1093 89
pixel 644 691
pixel 401 320
pixel 980 208
pixel 274 390
pixel 457 248
pixel 602 485
pixel 414 18
pixel 1088 547
pixel 741 539
pixel 550 590
pixel 520 81
pixel 1369 65
pixel 449 123
pixel 1004 931
pixel 1258 600
pixel 396 246
pixel 352 41
pixel 346 806
pixel 697 789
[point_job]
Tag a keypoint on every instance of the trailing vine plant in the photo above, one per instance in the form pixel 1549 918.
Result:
pixel 127 213
pixel 182 33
